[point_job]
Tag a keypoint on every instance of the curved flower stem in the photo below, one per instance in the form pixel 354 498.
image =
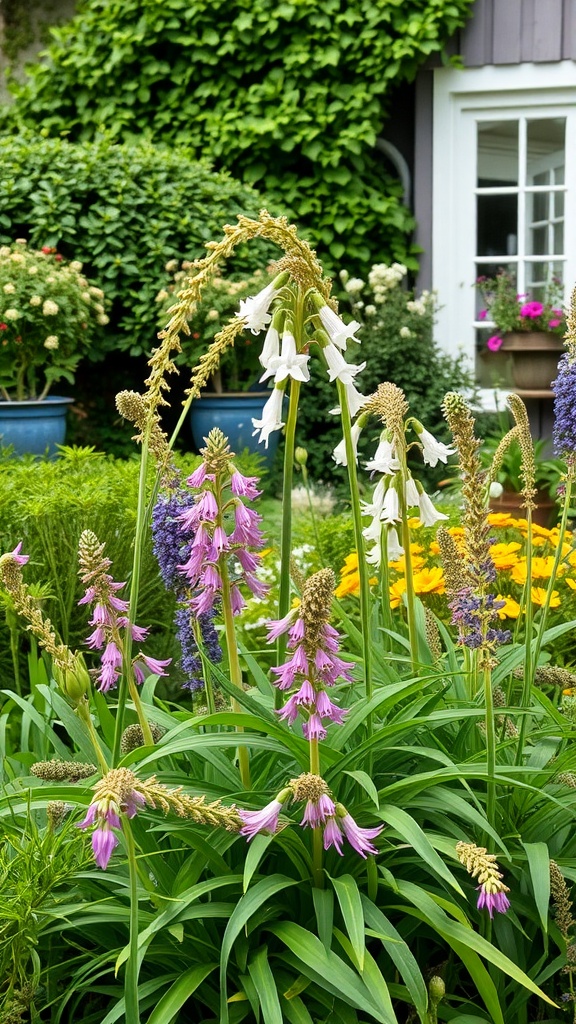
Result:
pixel 490 747
pixel 134 591
pixel 363 568
pixel 317 850
pixel 131 978
pixel 286 534
pixel 206 673
pixel 233 664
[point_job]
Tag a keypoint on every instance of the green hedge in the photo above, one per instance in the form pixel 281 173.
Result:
pixel 291 95
pixel 124 210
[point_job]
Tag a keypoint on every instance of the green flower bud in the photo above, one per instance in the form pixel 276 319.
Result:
pixel 301 456
pixel 74 683
pixel 437 989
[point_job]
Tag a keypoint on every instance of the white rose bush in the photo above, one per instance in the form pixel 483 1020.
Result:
pixel 49 315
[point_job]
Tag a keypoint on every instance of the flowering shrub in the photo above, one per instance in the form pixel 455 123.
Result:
pixel 510 311
pixel 49 315
pixel 239 367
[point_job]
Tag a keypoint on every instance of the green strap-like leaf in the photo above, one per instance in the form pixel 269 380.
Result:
pixel 263 979
pixel 348 895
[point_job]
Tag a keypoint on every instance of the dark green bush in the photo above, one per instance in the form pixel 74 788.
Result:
pixel 124 210
pixel 291 95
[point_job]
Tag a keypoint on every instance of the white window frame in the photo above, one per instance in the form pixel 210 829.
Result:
pixel 461 99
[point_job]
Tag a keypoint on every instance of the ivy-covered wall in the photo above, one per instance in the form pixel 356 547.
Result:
pixel 288 95
pixel 25 31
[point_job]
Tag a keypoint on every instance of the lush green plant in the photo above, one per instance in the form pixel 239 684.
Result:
pixel 512 312
pixel 280 94
pixel 50 318
pixel 397 344
pixel 239 367
pixel 123 210
pixel 437 789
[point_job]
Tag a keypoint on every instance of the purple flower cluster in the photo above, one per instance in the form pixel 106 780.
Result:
pixel 492 901
pixel 564 388
pixel 105 814
pixel 312 666
pixel 472 614
pixel 171 545
pixel 110 623
pixel 321 812
pixel 209 520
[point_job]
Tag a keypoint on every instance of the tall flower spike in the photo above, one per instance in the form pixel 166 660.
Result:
pixel 224 528
pixel 171 544
pixel 313 663
pixel 109 615
pixel 483 866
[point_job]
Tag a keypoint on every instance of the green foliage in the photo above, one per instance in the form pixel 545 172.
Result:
pixel 288 95
pixel 397 344
pixel 123 210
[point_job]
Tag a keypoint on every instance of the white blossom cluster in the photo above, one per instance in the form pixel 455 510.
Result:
pixel 383 278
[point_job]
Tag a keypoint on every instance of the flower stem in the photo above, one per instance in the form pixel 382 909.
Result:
pixel 83 712
pixel 490 747
pixel 317 849
pixel 528 660
pixel 286 530
pixel 410 608
pixel 131 979
pixel 233 663
pixel 363 568
pixel 134 590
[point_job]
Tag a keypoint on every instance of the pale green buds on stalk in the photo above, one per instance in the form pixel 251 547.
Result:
pixel 132 737
pixel 301 456
pixel 74 682
pixel 62 771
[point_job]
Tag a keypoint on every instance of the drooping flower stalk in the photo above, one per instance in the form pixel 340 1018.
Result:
pixel 120 794
pixel 483 866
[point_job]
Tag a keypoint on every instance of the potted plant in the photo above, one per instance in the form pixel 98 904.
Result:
pixel 234 395
pixel 530 331
pixel 48 315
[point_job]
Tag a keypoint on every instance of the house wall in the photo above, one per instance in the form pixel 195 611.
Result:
pixel 500 32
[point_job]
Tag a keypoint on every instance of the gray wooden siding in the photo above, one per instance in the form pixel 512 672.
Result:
pixel 517 31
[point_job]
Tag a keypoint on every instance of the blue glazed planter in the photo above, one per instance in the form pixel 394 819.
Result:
pixel 233 413
pixel 33 427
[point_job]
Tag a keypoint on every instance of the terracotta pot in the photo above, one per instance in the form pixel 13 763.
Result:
pixel 510 502
pixel 535 356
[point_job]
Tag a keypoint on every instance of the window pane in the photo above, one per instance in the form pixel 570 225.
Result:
pixel 541 276
pixel 558 204
pixel 545 151
pixel 497 218
pixel 558 247
pixel 497 153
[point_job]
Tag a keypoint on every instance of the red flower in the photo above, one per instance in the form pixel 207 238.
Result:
pixel 3 327
pixel 47 249
pixel 58 257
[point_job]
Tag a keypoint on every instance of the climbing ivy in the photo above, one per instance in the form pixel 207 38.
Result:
pixel 288 95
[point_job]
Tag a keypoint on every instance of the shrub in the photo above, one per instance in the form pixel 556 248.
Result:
pixel 124 211
pixel 290 95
